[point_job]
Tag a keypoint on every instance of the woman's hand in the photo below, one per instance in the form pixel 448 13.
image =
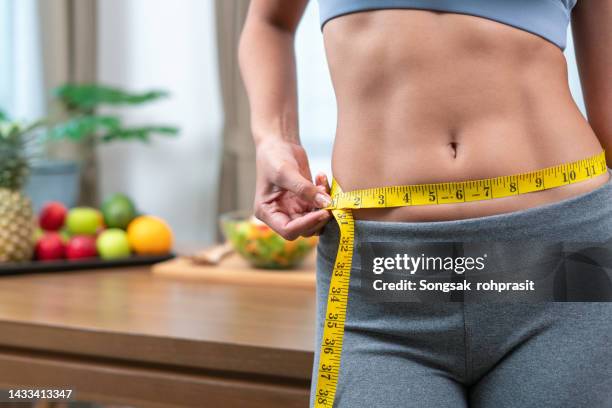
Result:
pixel 285 197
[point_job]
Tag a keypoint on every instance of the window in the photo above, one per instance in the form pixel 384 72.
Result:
pixel 22 93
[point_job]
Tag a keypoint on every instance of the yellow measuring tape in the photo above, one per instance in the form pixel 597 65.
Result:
pixel 420 194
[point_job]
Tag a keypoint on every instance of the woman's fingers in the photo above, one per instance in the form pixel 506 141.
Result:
pixel 287 219
pixel 317 228
pixel 292 180
pixel 321 180
pixel 306 224
pixel 292 228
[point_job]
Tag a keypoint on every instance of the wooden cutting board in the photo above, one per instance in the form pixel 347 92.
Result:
pixel 235 270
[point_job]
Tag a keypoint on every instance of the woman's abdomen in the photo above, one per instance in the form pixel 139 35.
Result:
pixel 429 97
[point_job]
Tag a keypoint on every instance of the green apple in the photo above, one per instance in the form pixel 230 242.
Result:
pixel 113 244
pixel 118 211
pixel 84 221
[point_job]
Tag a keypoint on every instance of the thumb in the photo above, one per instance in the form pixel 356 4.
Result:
pixel 292 180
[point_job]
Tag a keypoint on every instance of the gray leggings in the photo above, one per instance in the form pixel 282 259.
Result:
pixel 541 355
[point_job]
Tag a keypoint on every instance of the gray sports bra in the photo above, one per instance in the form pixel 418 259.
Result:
pixel 547 18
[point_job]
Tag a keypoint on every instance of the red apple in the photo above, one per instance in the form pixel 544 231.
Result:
pixel 81 246
pixel 50 247
pixel 52 216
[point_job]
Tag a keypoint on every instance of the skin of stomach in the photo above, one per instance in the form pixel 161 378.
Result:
pixel 426 97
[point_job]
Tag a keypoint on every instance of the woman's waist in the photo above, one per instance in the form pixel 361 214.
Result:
pixel 392 158
pixel 585 217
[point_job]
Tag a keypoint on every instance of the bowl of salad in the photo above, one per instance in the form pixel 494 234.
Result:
pixel 260 245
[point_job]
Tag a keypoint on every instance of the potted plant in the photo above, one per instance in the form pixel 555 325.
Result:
pixel 77 119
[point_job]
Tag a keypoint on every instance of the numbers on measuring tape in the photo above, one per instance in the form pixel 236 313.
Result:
pixel 590 170
pixel 539 182
pixel 330 342
pixel 463 191
pixel 325 371
pixel 567 177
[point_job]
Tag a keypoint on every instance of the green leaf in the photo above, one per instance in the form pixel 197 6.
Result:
pixel 86 97
pixel 143 133
pixel 79 128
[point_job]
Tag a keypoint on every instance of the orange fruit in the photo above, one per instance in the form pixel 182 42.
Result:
pixel 149 235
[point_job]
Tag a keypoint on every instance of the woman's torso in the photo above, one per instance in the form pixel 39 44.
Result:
pixel 429 97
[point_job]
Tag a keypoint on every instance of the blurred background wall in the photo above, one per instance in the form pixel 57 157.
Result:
pixel 169 44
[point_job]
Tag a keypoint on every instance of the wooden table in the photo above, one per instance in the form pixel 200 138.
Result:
pixel 125 336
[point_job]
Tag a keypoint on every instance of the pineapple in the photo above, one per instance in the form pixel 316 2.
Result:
pixel 16 215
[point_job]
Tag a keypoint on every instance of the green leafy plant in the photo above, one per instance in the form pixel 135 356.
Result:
pixel 81 103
